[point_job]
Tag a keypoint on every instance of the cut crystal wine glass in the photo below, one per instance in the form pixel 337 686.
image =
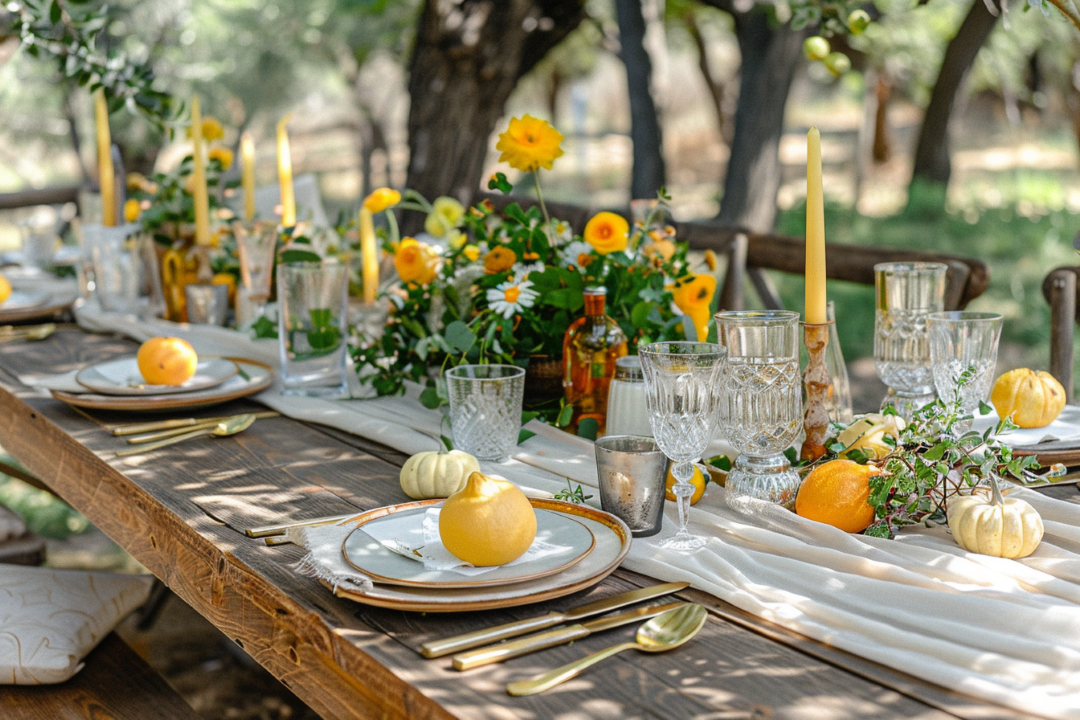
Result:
pixel 959 342
pixel 683 383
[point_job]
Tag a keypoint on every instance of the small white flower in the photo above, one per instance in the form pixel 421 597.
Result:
pixel 511 297
pixel 521 270
pixel 571 254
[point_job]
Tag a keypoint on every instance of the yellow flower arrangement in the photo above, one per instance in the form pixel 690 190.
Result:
pixel 212 129
pixel 499 260
pixel 529 144
pixel 607 232
pixel 132 210
pixel 222 155
pixel 416 262
pixel 472 253
pixel 382 199
pixel 446 214
pixel 693 295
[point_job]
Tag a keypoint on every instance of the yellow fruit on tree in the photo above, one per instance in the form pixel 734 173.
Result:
pixel 1034 399
pixel 698 481
pixel 167 361
pixel 487 522
pixel 5 289
pixel 836 493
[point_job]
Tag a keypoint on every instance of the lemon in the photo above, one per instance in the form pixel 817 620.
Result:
pixel 5 289
pixel 166 361
pixel 698 481
pixel 487 522
pixel 836 493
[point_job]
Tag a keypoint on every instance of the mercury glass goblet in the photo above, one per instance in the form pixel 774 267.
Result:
pixel 761 409
pixel 906 294
pixel 683 383
pixel 959 342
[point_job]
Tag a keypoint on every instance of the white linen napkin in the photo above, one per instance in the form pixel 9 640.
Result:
pixel 64 382
pixel 1065 427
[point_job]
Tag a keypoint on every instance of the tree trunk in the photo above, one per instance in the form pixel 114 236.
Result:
pixel 932 151
pixel 770 56
pixel 882 138
pixel 648 172
pixel 713 83
pixel 468 57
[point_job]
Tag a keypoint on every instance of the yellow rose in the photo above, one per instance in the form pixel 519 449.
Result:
pixel 382 199
pixel 607 232
pixel 416 261
pixel 446 214
pixel 693 295
pixel 222 155
pixel 131 210
pixel 499 260
pixel 471 252
pixel 529 144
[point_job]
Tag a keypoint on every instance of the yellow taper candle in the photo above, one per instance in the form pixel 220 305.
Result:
pixel 106 175
pixel 198 179
pixel 369 255
pixel 815 232
pixel 284 159
pixel 247 174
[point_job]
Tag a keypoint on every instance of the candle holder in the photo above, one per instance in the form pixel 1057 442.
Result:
pixel 816 381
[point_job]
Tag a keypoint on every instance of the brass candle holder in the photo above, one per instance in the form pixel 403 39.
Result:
pixel 817 381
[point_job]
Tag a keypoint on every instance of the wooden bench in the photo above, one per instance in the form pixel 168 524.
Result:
pixel 116 684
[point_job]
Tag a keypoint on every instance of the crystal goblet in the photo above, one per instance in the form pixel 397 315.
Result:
pixel 683 382
pixel 761 409
pixel 907 292
pixel 963 346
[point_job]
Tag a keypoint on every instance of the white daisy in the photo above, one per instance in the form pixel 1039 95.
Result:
pixel 571 254
pixel 521 270
pixel 511 297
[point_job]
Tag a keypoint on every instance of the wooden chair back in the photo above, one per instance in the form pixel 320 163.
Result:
pixel 1060 288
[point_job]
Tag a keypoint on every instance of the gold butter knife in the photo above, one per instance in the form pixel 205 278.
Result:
pixel 446 646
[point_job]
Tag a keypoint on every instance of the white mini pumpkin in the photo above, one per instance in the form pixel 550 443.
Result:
pixel 992 525
pixel 437 474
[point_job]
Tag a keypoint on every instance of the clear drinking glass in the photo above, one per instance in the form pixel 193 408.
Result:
pixel 39 238
pixel 683 383
pixel 839 400
pixel 312 314
pixel 906 294
pixel 761 408
pixel 958 341
pixel 118 266
pixel 255 244
pixel 207 304
pixel 485 408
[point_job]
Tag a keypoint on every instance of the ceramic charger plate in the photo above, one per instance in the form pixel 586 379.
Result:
pixel 49 305
pixel 252 377
pixel 24 300
pixel 612 543
pixel 369 556
pixel 122 377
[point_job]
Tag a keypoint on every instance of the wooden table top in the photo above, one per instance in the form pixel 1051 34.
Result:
pixel 171 510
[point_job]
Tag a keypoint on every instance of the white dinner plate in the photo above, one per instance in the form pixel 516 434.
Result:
pixel 368 555
pixel 1065 427
pixel 122 377
pixel 24 300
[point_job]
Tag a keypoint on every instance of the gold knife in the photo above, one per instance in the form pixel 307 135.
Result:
pixel 446 646
pixel 551 638
pixel 180 423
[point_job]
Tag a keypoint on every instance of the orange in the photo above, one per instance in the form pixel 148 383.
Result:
pixel 698 481
pixel 5 289
pixel 167 361
pixel 836 493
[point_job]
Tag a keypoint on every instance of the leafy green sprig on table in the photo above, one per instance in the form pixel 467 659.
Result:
pixel 572 494
pixel 933 460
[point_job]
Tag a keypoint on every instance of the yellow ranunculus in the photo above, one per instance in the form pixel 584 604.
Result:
pixel 222 155
pixel 607 232
pixel 211 129
pixel 471 252
pixel 382 199
pixel 456 239
pixel 131 210
pixel 529 144
pixel 446 214
pixel 416 261
pixel 693 295
pixel 499 260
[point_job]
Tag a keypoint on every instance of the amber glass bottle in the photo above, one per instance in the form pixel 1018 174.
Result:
pixel 592 345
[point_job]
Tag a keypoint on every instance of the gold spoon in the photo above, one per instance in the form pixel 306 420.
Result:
pixel 27 332
pixel 222 429
pixel 664 632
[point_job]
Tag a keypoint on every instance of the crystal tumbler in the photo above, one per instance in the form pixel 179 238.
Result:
pixel 761 406
pixel 961 342
pixel 906 294
pixel 485 408
pixel 312 316
pixel 683 382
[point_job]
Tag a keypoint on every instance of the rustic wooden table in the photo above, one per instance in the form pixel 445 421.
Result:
pixel 172 510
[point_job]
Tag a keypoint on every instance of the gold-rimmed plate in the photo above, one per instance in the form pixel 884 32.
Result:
pixel 365 553
pixel 252 377
pixel 612 543
pixel 122 377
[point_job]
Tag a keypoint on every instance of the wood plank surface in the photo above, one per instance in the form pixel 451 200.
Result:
pixel 116 684
pixel 350 660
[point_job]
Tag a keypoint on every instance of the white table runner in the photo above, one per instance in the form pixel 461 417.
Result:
pixel 1003 630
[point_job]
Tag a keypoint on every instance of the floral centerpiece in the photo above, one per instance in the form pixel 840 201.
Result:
pixel 504 287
